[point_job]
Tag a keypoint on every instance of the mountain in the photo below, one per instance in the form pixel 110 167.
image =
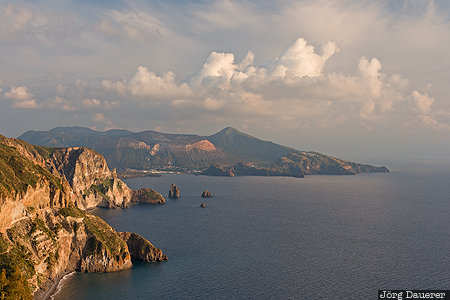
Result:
pixel 45 231
pixel 228 150
pixel 128 150
pixel 248 148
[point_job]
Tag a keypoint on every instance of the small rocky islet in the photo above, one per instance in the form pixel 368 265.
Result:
pixel 147 196
pixel 174 192
pixel 206 194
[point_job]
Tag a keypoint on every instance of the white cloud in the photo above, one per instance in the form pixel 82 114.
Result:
pixel 301 60
pixel 370 72
pixel 218 65
pixel 22 98
pixel 118 86
pixel 148 84
pixel 294 86
pixel 423 102
pixel 58 103
pixel 221 72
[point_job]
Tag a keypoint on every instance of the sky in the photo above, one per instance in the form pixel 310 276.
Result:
pixel 365 80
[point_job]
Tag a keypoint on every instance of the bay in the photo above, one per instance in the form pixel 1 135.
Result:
pixel 321 237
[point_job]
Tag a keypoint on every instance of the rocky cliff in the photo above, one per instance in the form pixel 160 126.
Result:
pixel 83 169
pixel 296 164
pixel 89 176
pixel 141 249
pixel 44 231
pixel 317 163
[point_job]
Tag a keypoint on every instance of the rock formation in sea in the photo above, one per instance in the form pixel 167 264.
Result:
pixel 174 192
pixel 203 205
pixel 206 194
pixel 44 230
pixel 141 249
pixel 147 196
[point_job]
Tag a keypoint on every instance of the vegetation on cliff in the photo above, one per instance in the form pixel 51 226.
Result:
pixel 43 231
pixel 16 270
pixel 17 173
pixel 147 196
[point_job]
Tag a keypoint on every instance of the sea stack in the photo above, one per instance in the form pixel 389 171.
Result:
pixel 203 205
pixel 206 194
pixel 174 192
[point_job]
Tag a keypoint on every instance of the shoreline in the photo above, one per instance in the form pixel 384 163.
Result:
pixel 51 288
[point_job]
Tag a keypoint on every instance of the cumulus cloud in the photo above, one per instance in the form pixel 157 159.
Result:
pixel 422 101
pixel 22 98
pixel 293 87
pixel 148 84
pixel 218 65
pixel 301 60
pixel 340 73
pixel 220 71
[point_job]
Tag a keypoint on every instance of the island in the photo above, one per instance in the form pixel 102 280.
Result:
pixel 45 230
pixel 228 152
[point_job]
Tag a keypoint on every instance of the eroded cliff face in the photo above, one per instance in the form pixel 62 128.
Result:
pixel 57 241
pixel 83 174
pixel 43 231
pixel 90 178
pixel 26 185
pixel 141 249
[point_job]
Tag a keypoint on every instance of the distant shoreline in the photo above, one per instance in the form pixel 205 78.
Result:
pixel 136 173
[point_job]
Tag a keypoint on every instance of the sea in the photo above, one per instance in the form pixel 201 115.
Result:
pixel 320 237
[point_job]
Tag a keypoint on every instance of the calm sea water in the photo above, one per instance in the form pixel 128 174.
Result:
pixel 322 237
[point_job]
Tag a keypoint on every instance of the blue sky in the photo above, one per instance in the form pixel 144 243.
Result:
pixel 366 78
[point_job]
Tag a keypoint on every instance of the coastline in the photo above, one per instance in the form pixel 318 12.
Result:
pixel 51 288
